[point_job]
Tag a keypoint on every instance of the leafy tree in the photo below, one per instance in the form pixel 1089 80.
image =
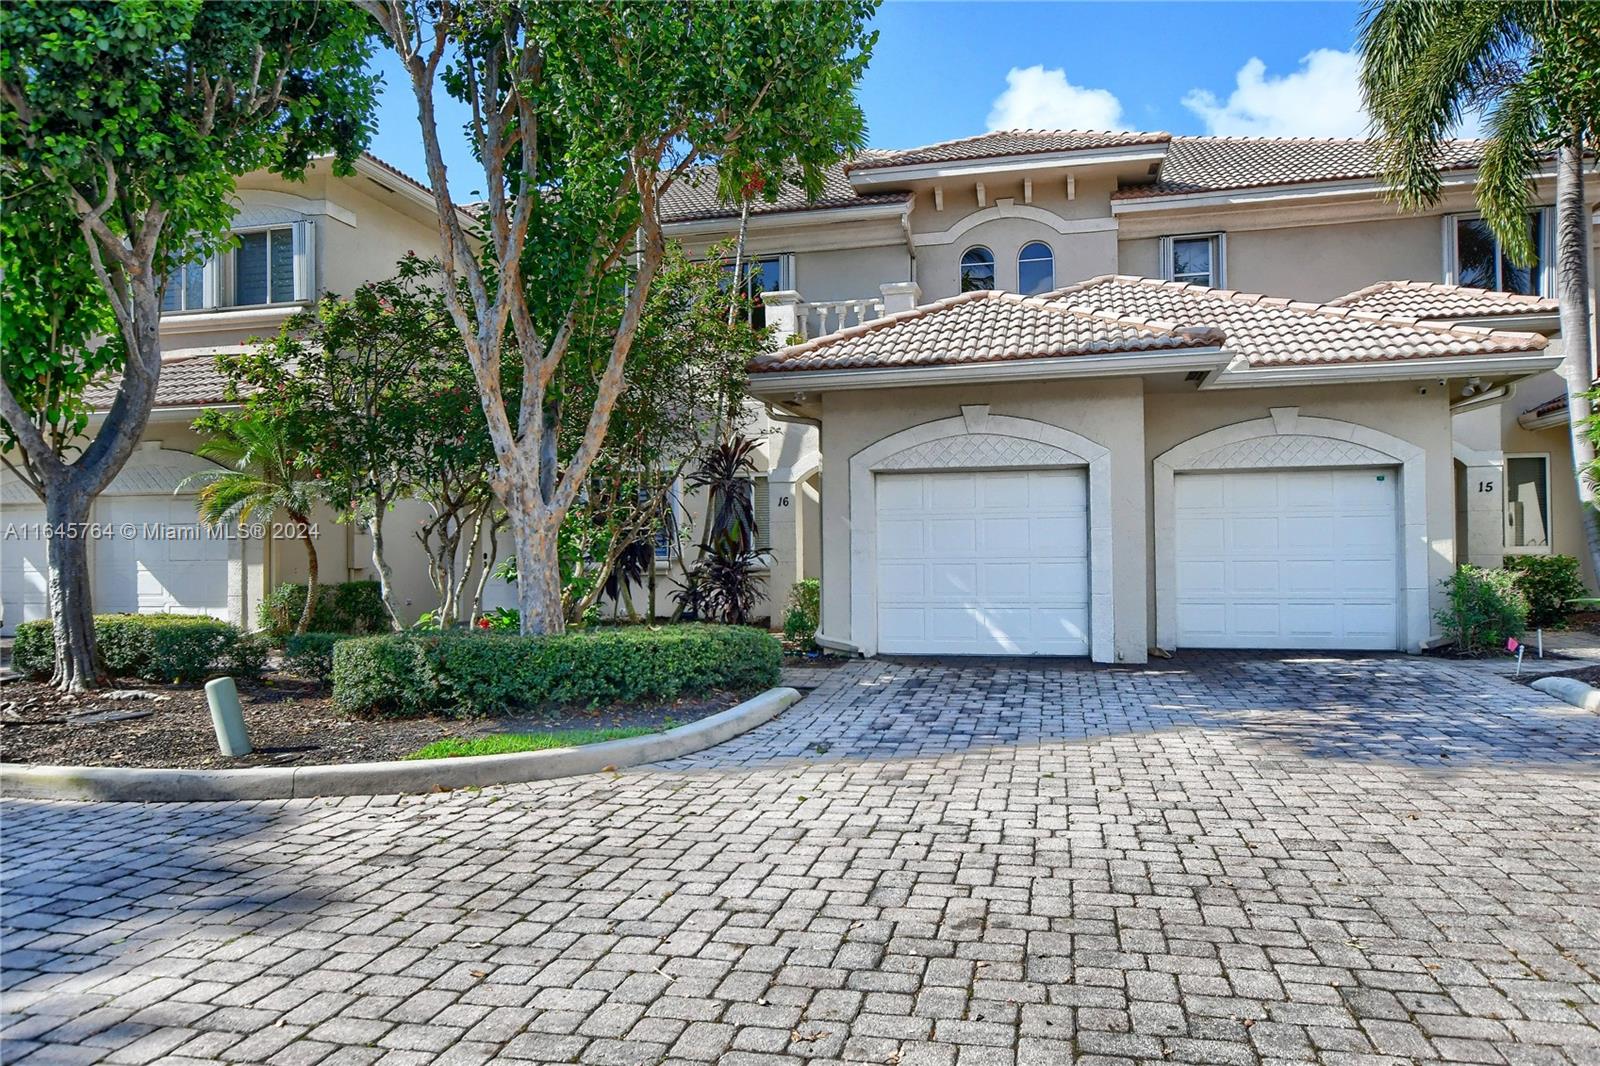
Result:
pixel 265 474
pixel 376 392
pixel 583 116
pixel 686 383
pixel 1534 68
pixel 122 126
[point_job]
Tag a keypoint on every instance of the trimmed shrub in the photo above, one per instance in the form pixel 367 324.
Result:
pixel 155 647
pixel 1486 609
pixel 342 607
pixel 468 674
pixel 804 614
pixel 33 649
pixel 1548 582
pixel 310 655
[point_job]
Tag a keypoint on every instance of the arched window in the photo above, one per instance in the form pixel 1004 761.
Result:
pixel 1036 269
pixel 977 269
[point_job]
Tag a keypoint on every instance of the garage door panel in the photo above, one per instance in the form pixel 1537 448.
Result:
pixel 1009 536
pixel 947 537
pixel 24 568
pixel 1308 558
pixel 1008 492
pixel 953 493
pixel 166 566
pixel 983 563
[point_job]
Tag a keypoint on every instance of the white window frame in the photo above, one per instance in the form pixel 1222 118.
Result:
pixel 301 234
pixel 1049 251
pixel 210 289
pixel 1547 547
pixel 674 546
pixel 1219 256
pixel 1547 248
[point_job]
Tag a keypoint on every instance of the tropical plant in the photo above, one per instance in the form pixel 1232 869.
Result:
pixel 726 476
pixel 122 128
pixel 265 475
pixel 611 105
pixel 1550 584
pixel 1485 609
pixel 804 614
pixel 1534 69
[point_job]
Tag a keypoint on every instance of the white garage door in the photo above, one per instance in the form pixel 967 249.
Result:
pixel 1288 559
pixel 24 585
pixel 164 566
pixel 983 563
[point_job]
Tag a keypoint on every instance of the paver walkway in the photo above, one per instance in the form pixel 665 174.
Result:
pixel 1216 859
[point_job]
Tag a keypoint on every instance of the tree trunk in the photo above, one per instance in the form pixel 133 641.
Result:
pixel 78 665
pixel 535 539
pixel 1577 330
pixel 381 564
pixel 304 528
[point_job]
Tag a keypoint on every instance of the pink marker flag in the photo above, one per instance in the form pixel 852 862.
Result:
pixel 1511 644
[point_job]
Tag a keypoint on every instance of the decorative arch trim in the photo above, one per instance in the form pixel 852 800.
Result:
pixel 1054 222
pixel 978 440
pixel 1288 440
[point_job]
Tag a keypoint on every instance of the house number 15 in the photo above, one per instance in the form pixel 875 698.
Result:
pixel 1486 486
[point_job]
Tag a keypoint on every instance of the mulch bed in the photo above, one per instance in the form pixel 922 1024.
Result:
pixel 291 722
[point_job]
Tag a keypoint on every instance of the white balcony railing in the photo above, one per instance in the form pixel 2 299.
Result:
pixel 795 316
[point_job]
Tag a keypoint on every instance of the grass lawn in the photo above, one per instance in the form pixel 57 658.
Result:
pixel 506 743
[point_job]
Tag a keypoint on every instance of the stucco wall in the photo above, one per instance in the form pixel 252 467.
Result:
pixel 1108 412
pixel 1175 414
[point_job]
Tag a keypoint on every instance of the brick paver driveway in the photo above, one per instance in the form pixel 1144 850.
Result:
pixel 1210 860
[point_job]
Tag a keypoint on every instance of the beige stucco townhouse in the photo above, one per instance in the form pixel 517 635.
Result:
pixel 1049 392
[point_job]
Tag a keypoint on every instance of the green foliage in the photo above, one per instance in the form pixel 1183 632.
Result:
pixel 310 655
pixel 350 607
pixel 135 118
pixel 155 647
pixel 1547 582
pixel 1534 69
pixel 804 613
pixel 1486 608
pixel 508 743
pixel 464 673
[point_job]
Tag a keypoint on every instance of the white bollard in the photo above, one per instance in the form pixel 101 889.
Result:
pixel 227 717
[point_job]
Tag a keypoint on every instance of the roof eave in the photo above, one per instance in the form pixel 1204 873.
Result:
pixel 788 217
pixel 1516 364
pixel 1005 164
pixel 1259 194
pixel 780 383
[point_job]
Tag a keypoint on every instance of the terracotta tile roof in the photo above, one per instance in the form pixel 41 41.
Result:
pixel 982 327
pixel 1214 164
pixel 1435 300
pixel 1007 142
pixel 1273 331
pixel 695 197
pixel 1549 407
pixel 190 380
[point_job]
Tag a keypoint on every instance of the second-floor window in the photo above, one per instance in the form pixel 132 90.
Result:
pixel 977 269
pixel 270 265
pixel 1194 260
pixel 1478 260
pixel 1036 269
pixel 264 267
pixel 764 274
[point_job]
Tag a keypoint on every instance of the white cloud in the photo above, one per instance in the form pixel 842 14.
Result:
pixel 1321 99
pixel 1036 98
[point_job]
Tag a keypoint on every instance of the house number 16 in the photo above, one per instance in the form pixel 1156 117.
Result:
pixel 783 501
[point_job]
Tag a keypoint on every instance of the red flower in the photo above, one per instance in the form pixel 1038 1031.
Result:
pixel 483 623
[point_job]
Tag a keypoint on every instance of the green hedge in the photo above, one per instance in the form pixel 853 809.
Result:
pixel 804 614
pixel 1486 608
pixel 469 674
pixel 155 647
pixel 310 655
pixel 1548 582
pixel 342 607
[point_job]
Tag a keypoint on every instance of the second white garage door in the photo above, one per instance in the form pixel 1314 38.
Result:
pixel 1287 559
pixel 983 563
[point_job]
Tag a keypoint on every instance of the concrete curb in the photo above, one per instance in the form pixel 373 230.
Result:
pixel 1570 690
pixel 24 781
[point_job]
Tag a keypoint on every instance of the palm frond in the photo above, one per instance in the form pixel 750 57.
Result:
pixel 1517 129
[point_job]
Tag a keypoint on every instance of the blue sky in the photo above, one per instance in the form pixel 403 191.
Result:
pixel 944 70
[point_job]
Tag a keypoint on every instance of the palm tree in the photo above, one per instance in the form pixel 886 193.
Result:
pixel 1533 68
pixel 263 476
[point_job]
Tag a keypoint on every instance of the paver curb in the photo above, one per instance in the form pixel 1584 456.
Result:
pixel 24 781
pixel 1571 690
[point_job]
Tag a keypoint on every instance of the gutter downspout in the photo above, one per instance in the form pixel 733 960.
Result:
pixel 911 248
